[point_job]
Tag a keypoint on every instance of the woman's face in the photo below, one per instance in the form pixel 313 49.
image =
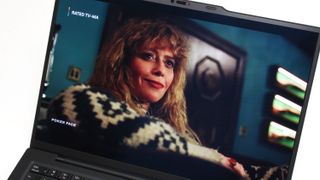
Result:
pixel 152 73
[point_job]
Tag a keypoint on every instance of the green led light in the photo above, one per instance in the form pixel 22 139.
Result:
pixel 291 83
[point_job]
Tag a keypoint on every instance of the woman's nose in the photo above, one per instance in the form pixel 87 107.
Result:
pixel 158 69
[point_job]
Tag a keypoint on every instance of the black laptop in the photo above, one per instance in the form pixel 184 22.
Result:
pixel 247 87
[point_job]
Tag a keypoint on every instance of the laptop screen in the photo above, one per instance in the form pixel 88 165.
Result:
pixel 161 86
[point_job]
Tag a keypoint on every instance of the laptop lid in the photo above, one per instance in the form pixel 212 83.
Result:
pixel 242 64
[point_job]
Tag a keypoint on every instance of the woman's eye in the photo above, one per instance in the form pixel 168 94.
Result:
pixel 170 63
pixel 147 56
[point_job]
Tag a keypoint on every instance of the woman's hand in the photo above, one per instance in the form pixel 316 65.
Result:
pixel 234 166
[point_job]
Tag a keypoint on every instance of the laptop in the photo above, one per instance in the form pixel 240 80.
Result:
pixel 247 86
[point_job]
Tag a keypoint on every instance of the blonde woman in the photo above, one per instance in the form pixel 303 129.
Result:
pixel 139 80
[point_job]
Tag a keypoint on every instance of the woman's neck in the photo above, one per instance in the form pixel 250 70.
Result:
pixel 144 106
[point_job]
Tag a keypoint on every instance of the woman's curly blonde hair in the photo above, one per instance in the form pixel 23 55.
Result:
pixel 113 73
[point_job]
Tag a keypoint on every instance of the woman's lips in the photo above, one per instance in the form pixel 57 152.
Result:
pixel 155 84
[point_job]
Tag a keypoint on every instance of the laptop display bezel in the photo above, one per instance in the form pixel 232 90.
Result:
pixel 201 10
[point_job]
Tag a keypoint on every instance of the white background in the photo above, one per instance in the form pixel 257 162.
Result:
pixel 24 30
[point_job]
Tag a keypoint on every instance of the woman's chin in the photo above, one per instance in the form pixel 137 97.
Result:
pixel 152 98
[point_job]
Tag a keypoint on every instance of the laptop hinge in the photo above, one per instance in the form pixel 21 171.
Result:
pixel 99 169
